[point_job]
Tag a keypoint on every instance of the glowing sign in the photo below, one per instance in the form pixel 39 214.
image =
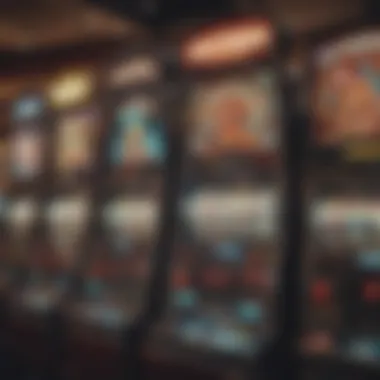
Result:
pixel 228 44
pixel 138 70
pixel 71 89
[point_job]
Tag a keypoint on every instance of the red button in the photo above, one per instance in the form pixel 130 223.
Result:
pixel 371 291
pixel 321 291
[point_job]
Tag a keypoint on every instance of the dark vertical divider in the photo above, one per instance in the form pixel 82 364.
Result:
pixel 282 358
pixel 157 288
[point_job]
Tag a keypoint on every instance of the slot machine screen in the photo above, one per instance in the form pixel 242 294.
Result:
pixel 342 246
pixel 77 127
pixel 76 142
pixel 27 139
pixel 226 256
pixel 118 268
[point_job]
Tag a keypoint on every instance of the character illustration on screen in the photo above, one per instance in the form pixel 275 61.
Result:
pixel 138 136
pixel 233 118
pixel 75 143
pixel 26 154
pixel 348 103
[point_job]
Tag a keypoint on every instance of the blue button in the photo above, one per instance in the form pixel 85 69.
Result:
pixel 185 298
pixel 229 251
pixel 27 108
pixel 369 261
pixel 250 311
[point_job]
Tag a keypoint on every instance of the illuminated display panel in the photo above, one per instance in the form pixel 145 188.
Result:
pixel 345 97
pixel 118 269
pixel 341 271
pixel 76 143
pixel 226 256
pixel 137 143
pixel 28 143
pixel 77 125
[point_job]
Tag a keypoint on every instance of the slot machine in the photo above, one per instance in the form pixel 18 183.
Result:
pixel 223 276
pixel 27 171
pixel 65 126
pixel 340 326
pixel 111 304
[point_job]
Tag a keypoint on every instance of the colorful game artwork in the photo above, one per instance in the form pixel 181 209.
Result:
pixel 138 135
pixel 235 115
pixel 68 220
pixel 346 96
pixel 76 142
pixel 26 153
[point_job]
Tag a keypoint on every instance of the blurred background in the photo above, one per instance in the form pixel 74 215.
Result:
pixel 189 189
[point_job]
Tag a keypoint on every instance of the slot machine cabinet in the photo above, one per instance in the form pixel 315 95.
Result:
pixel 64 204
pixel 112 301
pixel 340 271
pixel 219 315
pixel 68 152
pixel 27 166
pixel 28 143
